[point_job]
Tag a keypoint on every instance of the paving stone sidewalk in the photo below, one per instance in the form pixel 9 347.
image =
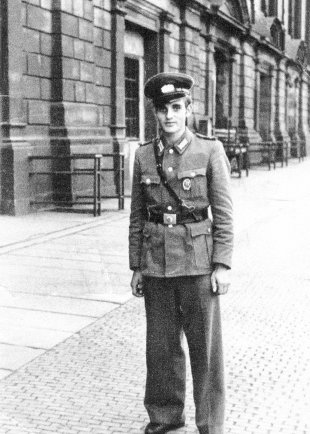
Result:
pixel 93 382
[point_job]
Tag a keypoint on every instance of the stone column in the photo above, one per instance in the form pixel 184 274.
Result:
pixel 304 132
pixel 118 126
pixel 297 108
pixel 14 149
pixel 280 110
pixel 190 28
pixel 74 112
pixel 164 35
pixel 248 89
pixel 208 127
pixel 72 116
pixel 235 89
pixel 189 42
pixel 256 101
pixel 273 88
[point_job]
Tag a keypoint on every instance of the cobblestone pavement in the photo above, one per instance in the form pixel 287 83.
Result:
pixel 93 382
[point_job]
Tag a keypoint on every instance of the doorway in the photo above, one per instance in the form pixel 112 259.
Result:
pixel 134 106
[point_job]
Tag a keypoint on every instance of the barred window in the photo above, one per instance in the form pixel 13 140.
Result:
pixel 132 97
pixel 277 35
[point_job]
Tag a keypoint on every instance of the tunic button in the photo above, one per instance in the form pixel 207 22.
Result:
pixel 148 181
pixel 170 169
pixel 171 151
pixel 169 208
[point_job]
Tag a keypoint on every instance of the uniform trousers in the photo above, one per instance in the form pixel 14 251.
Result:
pixel 174 307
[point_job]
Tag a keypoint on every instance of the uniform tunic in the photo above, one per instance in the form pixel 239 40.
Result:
pixel 198 170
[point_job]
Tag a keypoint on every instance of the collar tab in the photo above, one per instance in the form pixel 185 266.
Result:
pixel 180 147
pixel 160 147
pixel 184 142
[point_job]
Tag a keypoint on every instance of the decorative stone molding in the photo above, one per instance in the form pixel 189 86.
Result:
pixel 271 31
pixel 165 20
pixel 164 33
pixel 118 7
pixel 237 9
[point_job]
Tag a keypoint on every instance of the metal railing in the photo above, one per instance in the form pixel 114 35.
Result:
pixel 298 149
pixel 269 153
pixel 95 171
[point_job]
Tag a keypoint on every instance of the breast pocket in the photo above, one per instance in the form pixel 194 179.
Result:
pixel 192 183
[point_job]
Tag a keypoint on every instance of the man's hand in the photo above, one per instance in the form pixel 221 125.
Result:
pixel 136 284
pixel 220 280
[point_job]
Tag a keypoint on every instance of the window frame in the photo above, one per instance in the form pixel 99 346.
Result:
pixel 136 99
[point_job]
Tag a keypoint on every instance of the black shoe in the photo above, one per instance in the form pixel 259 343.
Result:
pixel 161 428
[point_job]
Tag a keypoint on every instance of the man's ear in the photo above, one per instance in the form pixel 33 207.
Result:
pixel 189 110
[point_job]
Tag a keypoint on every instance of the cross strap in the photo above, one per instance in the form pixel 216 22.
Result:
pixel 165 182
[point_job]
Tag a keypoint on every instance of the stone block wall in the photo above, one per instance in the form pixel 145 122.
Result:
pixel 102 55
pixel 63 86
pixel 67 52
pixel 67 81
pixel 37 52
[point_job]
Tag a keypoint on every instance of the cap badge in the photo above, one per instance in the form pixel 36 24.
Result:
pixel 167 88
pixel 187 184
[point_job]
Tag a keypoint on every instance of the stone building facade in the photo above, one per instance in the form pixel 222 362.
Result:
pixel 72 76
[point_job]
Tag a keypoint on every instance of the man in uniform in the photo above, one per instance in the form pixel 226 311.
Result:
pixel 180 257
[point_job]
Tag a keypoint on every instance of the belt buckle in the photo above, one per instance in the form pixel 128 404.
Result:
pixel 170 219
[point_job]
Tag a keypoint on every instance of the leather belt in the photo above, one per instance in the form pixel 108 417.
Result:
pixel 174 219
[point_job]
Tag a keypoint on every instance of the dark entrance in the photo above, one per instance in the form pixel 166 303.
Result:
pixel 132 116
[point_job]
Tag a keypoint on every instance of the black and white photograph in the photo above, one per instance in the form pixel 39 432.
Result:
pixel 154 216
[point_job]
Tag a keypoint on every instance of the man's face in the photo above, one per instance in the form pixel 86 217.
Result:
pixel 172 116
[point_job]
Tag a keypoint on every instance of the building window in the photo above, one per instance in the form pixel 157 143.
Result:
pixel 223 91
pixel 273 8
pixel 132 97
pixel 231 7
pixel 263 7
pixel 265 106
pixel 277 35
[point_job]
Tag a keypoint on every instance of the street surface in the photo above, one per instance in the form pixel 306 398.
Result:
pixel 72 338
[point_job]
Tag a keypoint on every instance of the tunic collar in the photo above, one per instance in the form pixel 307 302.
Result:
pixel 180 145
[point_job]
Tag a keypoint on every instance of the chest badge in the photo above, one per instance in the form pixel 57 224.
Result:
pixel 187 184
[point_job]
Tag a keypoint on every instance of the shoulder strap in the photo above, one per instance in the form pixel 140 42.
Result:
pixel 202 136
pixel 145 143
